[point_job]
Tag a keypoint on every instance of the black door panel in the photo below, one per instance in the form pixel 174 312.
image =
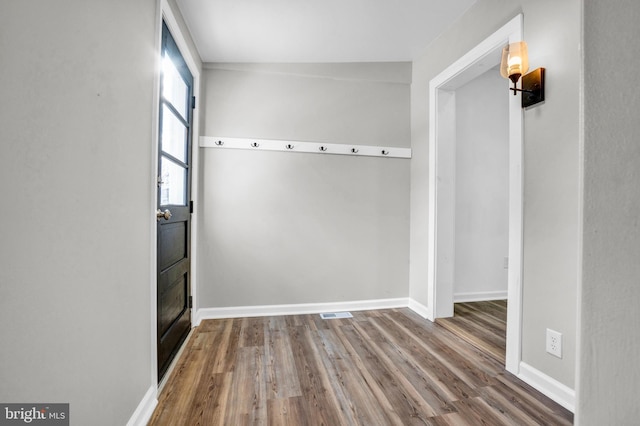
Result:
pixel 174 193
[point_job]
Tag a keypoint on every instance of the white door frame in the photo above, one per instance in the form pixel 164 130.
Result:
pixel 442 185
pixel 167 14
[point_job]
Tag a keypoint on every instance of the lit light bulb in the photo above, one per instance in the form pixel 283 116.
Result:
pixel 515 62
pixel 515 65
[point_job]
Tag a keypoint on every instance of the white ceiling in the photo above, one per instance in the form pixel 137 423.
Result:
pixel 317 31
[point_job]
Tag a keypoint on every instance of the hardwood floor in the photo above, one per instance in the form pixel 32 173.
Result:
pixel 387 367
pixel 483 324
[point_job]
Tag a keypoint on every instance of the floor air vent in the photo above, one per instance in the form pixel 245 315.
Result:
pixel 334 315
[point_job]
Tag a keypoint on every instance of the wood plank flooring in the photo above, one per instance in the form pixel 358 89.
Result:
pixel 483 324
pixel 386 367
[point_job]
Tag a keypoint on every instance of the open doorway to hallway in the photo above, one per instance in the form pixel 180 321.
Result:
pixel 481 189
pixel 444 246
pixel 482 324
pixel 481 211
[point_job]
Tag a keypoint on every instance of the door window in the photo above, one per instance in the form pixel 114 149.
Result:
pixel 175 111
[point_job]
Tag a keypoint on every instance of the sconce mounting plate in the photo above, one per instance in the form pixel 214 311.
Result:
pixel 533 88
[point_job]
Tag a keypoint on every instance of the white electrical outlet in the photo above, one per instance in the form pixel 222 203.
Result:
pixel 554 343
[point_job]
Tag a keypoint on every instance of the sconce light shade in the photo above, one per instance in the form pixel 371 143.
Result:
pixel 515 64
pixel 515 61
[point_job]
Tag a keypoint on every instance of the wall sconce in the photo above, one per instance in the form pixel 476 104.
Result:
pixel 515 64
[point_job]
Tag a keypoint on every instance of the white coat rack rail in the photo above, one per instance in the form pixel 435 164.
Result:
pixel 309 147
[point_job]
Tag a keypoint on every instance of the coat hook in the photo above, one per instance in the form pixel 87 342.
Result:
pixel 255 144
pixel 289 146
pixel 385 152
pixel 323 148
pixel 219 143
pixel 354 150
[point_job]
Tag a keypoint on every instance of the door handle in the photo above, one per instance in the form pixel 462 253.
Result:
pixel 163 214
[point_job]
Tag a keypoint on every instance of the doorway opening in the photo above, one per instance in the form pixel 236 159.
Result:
pixel 442 185
pixel 481 214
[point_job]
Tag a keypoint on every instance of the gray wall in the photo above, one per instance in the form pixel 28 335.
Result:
pixel 75 166
pixel 551 179
pixel 482 186
pixel 609 338
pixel 287 228
pixel 364 104
pixel 76 122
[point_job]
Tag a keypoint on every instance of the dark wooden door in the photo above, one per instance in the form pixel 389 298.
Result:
pixel 174 203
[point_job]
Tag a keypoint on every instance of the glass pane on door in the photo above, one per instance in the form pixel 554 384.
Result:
pixel 173 183
pixel 174 135
pixel 174 89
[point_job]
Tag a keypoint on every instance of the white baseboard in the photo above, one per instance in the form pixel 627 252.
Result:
pixel 419 308
pixel 479 296
pixel 298 309
pixel 144 410
pixel 549 386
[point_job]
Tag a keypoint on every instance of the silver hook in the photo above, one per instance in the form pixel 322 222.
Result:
pixel 354 150
pixel 255 144
pixel 385 152
pixel 219 143
pixel 323 148
pixel 289 146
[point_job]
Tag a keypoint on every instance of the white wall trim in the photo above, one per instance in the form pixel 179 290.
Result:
pixel 419 308
pixel 480 296
pixel 441 255
pixel 220 142
pixel 144 410
pixel 298 309
pixel 549 386
pixel 153 282
pixel 310 308
pixel 516 219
